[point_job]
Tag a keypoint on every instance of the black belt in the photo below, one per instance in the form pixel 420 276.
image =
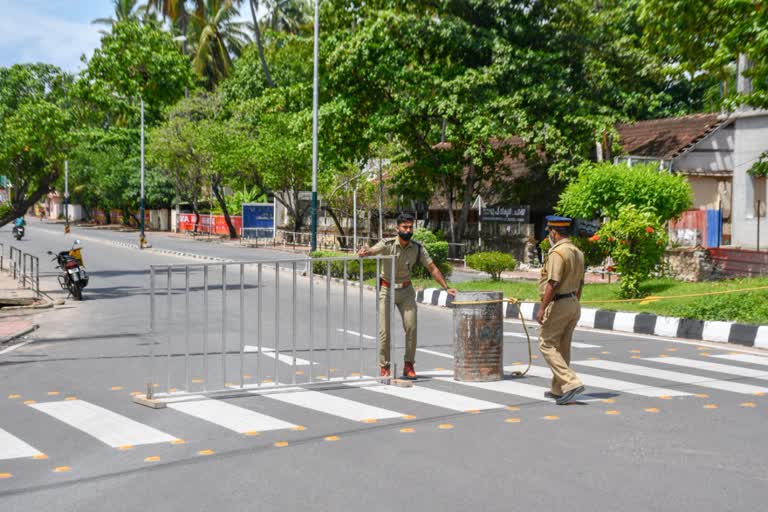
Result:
pixel 559 296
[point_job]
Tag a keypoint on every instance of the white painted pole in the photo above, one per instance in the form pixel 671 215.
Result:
pixel 354 219
pixel 315 101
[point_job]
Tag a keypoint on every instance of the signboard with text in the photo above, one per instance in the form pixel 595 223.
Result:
pixel 258 220
pixel 514 214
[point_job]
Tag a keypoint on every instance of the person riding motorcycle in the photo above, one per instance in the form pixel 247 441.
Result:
pixel 19 222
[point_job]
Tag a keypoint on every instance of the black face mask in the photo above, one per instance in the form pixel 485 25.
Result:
pixel 404 236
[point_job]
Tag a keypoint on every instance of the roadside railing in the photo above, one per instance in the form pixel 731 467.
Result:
pixel 325 241
pixel 23 267
pixel 253 326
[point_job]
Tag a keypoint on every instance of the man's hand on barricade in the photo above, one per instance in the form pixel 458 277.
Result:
pixel 451 291
pixel 365 251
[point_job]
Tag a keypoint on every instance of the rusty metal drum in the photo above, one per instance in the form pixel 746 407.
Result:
pixel 478 336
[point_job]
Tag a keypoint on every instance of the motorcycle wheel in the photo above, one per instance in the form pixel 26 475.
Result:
pixel 75 290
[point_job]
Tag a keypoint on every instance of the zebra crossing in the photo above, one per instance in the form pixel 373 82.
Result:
pixel 262 410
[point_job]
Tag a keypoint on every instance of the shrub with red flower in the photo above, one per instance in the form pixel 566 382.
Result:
pixel 649 229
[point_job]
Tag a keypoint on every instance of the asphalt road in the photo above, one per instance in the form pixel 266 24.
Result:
pixel 665 424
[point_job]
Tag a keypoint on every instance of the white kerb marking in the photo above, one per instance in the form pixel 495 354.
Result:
pixel 526 308
pixel 232 417
pixel 624 322
pixel 587 318
pixel 11 447
pixel 430 396
pixel 745 358
pixel 331 404
pixel 666 326
pixel 428 296
pixel 632 388
pixel 716 331
pixel 108 427
pixel 712 367
pixel 283 358
pixel 443 298
pixel 683 378
pixel 761 339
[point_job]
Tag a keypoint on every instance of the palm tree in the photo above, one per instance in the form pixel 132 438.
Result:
pixel 254 5
pixel 176 11
pixel 287 15
pixel 125 10
pixel 215 37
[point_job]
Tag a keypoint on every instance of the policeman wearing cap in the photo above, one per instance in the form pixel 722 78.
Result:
pixel 560 285
pixel 407 254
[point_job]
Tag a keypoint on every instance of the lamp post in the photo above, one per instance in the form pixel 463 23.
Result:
pixel 142 239
pixel 315 101
pixel 66 197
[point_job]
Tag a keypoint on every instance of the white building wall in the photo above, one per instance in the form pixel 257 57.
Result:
pixel 713 153
pixel 751 140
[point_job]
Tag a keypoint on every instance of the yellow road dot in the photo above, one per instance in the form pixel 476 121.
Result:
pixel 6 475
pixel 301 372
pixel 473 411
pixel 759 393
pixel 735 353
pixel 14 396
pixel 445 426
pixel 332 438
pixel 651 409
pixel 353 374
pixel 116 388
pixel 246 376
pixel 251 433
pixel 267 380
pixel 172 390
pixel 635 351
pixel 608 401
pixel 135 393
pixel 594 358
pixel 512 408
pixel 698 347
pixel 702 395
pixel 322 377
pixel 605 352
pixel 517 362
pixel 635 357
pixel 125 447
pixel 370 420
pixel 710 406
pixel 70 398
pixel 178 441
pixel 663 355
pixel 665 397
pixel 333 370
pixel 534 357
pixel 512 420
pixel 62 469
pixel 230 385
pixel 551 417
pixel 748 404
pixel 155 385
pixel 206 452
pixel 439 369
pixel 281 444
pixel 612 413
pixel 200 381
pixel 407 430
pixel 703 353
pixel 53 393
pixel 671 349
pixel 153 458
pixel 29 402
pixel 299 428
pixel 409 417
pixel 40 456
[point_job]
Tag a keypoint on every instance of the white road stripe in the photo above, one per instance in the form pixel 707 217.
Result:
pixel 508 387
pixel 108 427
pixel 283 357
pixel 430 396
pixel 434 353
pixel 330 404
pixel 745 358
pixel 683 378
pixel 230 416
pixel 632 388
pixel 575 344
pixel 11 447
pixel 711 367
pixel 355 333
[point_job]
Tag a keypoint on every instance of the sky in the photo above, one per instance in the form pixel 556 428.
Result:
pixel 52 31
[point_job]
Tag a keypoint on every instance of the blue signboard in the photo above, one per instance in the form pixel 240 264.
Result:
pixel 258 220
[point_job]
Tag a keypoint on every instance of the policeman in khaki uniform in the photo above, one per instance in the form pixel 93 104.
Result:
pixel 407 255
pixel 560 285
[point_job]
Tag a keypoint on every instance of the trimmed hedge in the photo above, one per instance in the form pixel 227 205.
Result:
pixel 337 267
pixel 438 251
pixel 492 262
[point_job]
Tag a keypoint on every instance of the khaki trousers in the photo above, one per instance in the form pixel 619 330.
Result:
pixel 405 300
pixel 555 334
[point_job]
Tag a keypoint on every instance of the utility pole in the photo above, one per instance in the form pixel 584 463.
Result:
pixel 142 239
pixel 66 197
pixel 315 101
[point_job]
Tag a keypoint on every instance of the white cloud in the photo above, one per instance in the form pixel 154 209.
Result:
pixel 32 37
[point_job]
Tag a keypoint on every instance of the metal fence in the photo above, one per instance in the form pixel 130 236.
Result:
pixel 255 326
pixel 325 241
pixel 25 268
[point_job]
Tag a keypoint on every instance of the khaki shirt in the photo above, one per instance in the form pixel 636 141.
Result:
pixel 565 264
pixel 405 258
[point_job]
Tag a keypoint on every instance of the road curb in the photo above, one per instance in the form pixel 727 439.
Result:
pixel 18 334
pixel 639 323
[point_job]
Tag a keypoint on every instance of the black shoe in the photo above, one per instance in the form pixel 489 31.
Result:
pixel 549 394
pixel 570 396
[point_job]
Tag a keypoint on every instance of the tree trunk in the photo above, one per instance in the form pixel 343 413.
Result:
pixel 466 202
pixel 21 202
pixel 449 196
pixel 257 32
pixel 342 240
pixel 220 198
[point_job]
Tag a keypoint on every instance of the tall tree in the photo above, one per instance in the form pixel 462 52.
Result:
pixel 125 10
pixel 35 129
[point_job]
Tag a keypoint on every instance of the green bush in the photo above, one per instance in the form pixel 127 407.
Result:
pixel 493 263
pixel 594 254
pixel 437 250
pixel 337 267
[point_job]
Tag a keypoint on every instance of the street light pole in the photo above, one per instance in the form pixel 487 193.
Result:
pixel 142 240
pixel 66 197
pixel 315 102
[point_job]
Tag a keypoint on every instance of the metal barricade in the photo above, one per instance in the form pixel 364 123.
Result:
pixel 30 272
pixel 220 328
pixel 14 261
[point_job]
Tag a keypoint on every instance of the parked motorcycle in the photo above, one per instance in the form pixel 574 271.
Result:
pixel 18 232
pixel 74 277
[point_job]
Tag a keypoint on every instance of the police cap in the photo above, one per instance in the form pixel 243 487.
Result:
pixel 557 222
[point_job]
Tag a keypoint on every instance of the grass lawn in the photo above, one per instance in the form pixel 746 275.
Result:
pixel 746 307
